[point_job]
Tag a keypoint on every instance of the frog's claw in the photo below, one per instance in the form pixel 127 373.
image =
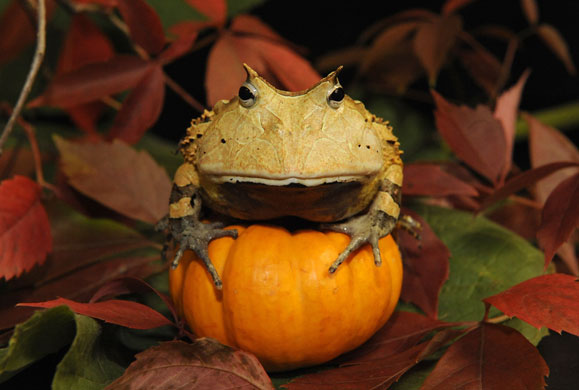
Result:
pixel 363 229
pixel 196 237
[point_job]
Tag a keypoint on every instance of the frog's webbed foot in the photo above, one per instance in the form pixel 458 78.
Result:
pixel 196 235
pixel 363 229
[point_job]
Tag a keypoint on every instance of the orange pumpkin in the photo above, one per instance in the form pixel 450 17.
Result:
pixel 278 299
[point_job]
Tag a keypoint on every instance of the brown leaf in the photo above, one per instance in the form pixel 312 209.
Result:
pixel 141 108
pixel 490 357
pixel 530 10
pixel 555 41
pixel 426 267
pixel 560 216
pixel 25 237
pixel 403 331
pixel 144 24
pixel 507 112
pixel 524 180
pixel 451 6
pixel 129 314
pixel 204 364
pixel 93 82
pixel 548 145
pixel 422 179
pixel 114 174
pixel 274 61
pixel 548 300
pixel 433 42
pixel 475 136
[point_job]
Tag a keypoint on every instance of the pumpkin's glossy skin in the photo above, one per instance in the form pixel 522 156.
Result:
pixel 278 299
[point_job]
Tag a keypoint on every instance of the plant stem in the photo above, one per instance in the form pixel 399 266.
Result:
pixel 560 117
pixel 36 62
pixel 183 94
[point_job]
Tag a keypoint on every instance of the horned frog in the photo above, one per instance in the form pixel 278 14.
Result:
pixel 267 153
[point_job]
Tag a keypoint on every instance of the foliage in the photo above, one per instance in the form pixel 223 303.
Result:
pixel 81 237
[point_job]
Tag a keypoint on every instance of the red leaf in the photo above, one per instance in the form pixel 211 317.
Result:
pixel 141 108
pixel 433 42
pixel 204 364
pixel 375 373
pixel 524 180
pixel 271 59
pixel 475 136
pixel 17 31
pixel 402 332
pixel 186 33
pixel 549 300
pixel 548 145
pixel 25 237
pixel 483 67
pixel 432 180
pixel 426 267
pixel 93 82
pixel 451 6
pixel 84 44
pixel 490 357
pixel 215 10
pixel 144 25
pixel 128 181
pixel 530 10
pixel 124 313
pixel 560 217
pixel 506 111
pixel 555 41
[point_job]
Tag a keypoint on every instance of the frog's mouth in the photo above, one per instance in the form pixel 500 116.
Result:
pixel 289 180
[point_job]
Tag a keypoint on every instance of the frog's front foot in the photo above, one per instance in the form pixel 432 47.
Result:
pixel 196 236
pixel 363 229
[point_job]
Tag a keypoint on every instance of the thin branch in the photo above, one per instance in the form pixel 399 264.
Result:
pixel 36 62
pixel 184 95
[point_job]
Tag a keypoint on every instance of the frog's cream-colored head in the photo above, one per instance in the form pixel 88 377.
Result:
pixel 274 137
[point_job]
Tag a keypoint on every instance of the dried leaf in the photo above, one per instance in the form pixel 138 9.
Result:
pixel 548 300
pixel 530 10
pixel 555 41
pixel 426 267
pixel 524 180
pixel 141 108
pixel 274 61
pixel 548 145
pixel 451 6
pixel 114 174
pixel 433 42
pixel 431 180
pixel 475 136
pixel 130 314
pixel 204 364
pixel 403 331
pixel 560 217
pixel 490 357
pixel 25 237
pixel 506 111
pixel 144 24
pixel 215 10
pixel 93 82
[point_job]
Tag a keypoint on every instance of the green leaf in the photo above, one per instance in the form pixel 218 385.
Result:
pixel 485 260
pixel 86 365
pixel 235 7
pixel 175 11
pixel 46 332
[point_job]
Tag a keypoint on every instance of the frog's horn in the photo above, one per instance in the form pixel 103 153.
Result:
pixel 250 72
pixel 333 76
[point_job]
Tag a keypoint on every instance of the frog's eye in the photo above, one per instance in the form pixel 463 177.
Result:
pixel 247 94
pixel 336 96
